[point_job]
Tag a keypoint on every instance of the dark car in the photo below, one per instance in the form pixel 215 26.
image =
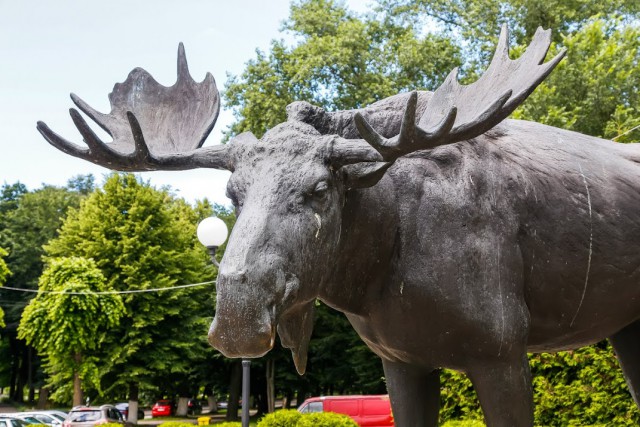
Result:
pixel 194 407
pixel 123 407
pixel 162 408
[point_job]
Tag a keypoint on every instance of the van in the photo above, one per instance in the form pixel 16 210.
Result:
pixel 366 411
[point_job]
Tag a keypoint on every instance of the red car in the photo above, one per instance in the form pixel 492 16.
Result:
pixel 366 411
pixel 162 408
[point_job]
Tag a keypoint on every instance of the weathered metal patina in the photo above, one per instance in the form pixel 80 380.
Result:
pixel 448 235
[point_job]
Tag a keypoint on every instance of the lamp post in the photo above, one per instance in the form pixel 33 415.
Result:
pixel 212 232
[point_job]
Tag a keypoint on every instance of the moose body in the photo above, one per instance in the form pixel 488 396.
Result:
pixel 449 236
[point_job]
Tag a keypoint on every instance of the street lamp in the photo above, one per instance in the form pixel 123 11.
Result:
pixel 212 232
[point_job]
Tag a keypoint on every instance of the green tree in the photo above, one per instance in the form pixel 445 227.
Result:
pixel 596 89
pixel 339 60
pixel 143 239
pixel 28 219
pixel 68 320
pixel 4 273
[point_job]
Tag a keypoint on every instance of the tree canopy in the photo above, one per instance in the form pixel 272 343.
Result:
pixel 342 60
pixel 142 238
pixel 68 319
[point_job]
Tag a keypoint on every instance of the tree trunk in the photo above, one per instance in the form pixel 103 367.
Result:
pixel 132 415
pixel 32 390
pixel 183 407
pixel 234 391
pixel 22 373
pixel 77 381
pixel 212 403
pixel 271 386
pixel 43 397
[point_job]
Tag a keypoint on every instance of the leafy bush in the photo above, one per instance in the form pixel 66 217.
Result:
pixel 292 418
pixel 467 423
pixel 173 424
pixel 111 425
pixel 283 418
pixel 228 424
pixel 584 387
pixel 325 419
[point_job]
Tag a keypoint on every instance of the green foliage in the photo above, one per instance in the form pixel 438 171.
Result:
pixel 229 424
pixel 68 319
pixel 4 273
pixel 113 425
pixel 339 61
pixel 282 418
pixel 292 418
pixel 458 399
pixel 142 238
pixel 326 419
pixel 581 387
pixel 596 89
pixel 175 424
pixel 465 423
pixel 476 23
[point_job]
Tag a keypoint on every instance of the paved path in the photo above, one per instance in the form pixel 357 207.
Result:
pixel 4 408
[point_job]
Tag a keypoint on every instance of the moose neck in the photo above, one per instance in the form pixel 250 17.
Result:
pixel 363 259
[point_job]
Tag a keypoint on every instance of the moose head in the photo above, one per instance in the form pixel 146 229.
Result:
pixel 290 187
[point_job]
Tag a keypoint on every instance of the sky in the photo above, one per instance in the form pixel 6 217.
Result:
pixel 52 48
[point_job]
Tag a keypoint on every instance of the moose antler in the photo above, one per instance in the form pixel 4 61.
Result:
pixel 457 112
pixel 153 127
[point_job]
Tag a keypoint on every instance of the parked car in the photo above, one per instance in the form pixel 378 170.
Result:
pixel 89 416
pixel 44 418
pixel 53 412
pixel 9 421
pixel 58 414
pixel 369 411
pixel 124 410
pixel 194 407
pixel 162 408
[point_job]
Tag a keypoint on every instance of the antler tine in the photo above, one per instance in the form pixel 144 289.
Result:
pixel 411 137
pixel 60 143
pixel 457 112
pixel 103 120
pixel 141 151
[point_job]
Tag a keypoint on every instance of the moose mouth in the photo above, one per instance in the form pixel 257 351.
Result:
pixel 235 338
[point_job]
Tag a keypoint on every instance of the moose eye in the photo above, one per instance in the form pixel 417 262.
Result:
pixel 321 190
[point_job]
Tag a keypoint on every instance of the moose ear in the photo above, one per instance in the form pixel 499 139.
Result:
pixel 364 175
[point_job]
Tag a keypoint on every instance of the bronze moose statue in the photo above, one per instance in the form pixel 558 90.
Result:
pixel 449 235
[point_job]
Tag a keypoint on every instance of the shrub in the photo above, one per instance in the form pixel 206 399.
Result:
pixel 325 419
pixel 228 424
pixel 172 424
pixel 468 423
pixel 292 418
pixel 283 418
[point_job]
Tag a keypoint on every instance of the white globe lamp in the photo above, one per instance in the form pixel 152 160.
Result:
pixel 212 232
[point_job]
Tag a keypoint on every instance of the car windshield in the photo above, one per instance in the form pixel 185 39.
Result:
pixel 163 403
pixel 83 416
pixel 58 416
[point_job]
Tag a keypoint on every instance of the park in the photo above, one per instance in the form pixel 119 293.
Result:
pixel 429 201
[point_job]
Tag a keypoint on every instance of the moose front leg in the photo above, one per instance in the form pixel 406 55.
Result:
pixel 414 393
pixel 504 390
